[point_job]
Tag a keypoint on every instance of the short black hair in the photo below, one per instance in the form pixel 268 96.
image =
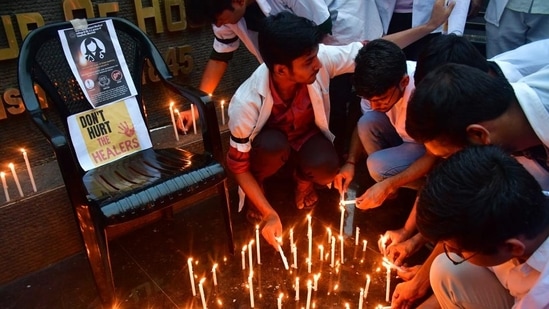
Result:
pixel 480 197
pixel 452 97
pixel 449 48
pixel 285 37
pixel 380 65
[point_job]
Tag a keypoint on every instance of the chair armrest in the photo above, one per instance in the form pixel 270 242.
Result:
pixel 52 132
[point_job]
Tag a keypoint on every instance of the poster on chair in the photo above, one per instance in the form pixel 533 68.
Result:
pixel 96 60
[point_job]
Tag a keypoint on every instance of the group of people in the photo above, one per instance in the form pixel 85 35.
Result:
pixel 470 134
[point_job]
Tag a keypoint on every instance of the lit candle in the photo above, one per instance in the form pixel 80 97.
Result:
pixel 342 240
pixel 214 274
pixel 364 245
pixel 12 168
pixel 201 289
pixel 308 261
pixel 361 298
pixel 321 251
pixel 191 275
pixel 257 247
pixel 296 288
pixel 329 230
pixel 291 236
pixel 388 288
pixel 243 253
pixel 283 257
pixel 342 221
pixel 173 122
pixel 29 170
pixel 310 235
pixel 357 234
pixel 387 263
pixel 332 251
pixel 5 186
pixel 294 253
pixel 250 255
pixel 279 300
pixel 194 120
pixel 368 279
pixel 223 112
pixel 309 290
pixel 315 281
pixel 251 286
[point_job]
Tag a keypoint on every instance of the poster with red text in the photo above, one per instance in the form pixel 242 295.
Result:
pixel 108 133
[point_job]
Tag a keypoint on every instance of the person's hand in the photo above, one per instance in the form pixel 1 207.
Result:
pixel 474 8
pixel 392 237
pixel 407 273
pixel 272 229
pixel 374 196
pixel 397 252
pixel 440 13
pixel 185 120
pixel 406 294
pixel 344 177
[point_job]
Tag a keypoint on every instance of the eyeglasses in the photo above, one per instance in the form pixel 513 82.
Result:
pixel 446 251
pixel 384 100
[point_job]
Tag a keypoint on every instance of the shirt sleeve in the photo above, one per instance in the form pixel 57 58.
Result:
pixel 226 40
pixel 315 10
pixel 238 162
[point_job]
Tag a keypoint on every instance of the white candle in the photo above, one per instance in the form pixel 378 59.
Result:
pixel 251 286
pixel 279 300
pixel 310 235
pixel 173 122
pixel 357 234
pixel 201 289
pixel 294 253
pixel 194 120
pixel 291 236
pixel 349 202
pixel 332 251
pixel 12 168
pixel 191 275
pixel 388 288
pixel 387 263
pixel 296 288
pixel 309 290
pixel 250 255
pixel 315 281
pixel 257 247
pixel 308 261
pixel 329 230
pixel 29 170
pixel 342 241
pixel 214 274
pixel 223 112
pixel 5 186
pixel 283 257
pixel 368 279
pixel 364 245
pixel 361 298
pixel 321 251
pixel 342 221
pixel 243 253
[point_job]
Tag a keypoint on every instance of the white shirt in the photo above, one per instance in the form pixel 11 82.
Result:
pixel 524 60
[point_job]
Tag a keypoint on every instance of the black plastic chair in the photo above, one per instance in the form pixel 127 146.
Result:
pixel 134 186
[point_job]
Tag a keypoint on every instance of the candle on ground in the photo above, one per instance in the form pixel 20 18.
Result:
pixel 5 186
pixel 12 168
pixel 279 300
pixel 291 236
pixel 243 253
pixel 309 290
pixel 342 220
pixel 321 252
pixel 29 170
pixel 191 275
pixel 250 255
pixel 214 274
pixel 309 264
pixel 283 257
pixel 342 240
pixel 332 251
pixel 173 121
pixel 364 245
pixel 329 230
pixel 296 288
pixel 368 279
pixel 257 247
pixel 388 288
pixel 315 281
pixel 201 289
pixel 194 120
pixel 294 254
pixel 357 234
pixel 361 298
pixel 251 286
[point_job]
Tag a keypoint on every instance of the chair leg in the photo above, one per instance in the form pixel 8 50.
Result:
pixel 223 192
pixel 97 250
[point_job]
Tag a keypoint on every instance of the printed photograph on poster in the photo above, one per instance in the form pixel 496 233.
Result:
pixel 97 62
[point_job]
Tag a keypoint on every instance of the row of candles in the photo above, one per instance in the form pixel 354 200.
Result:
pixel 11 166
pixel 177 119
pixel 311 284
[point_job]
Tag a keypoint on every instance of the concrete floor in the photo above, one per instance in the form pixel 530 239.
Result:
pixel 150 264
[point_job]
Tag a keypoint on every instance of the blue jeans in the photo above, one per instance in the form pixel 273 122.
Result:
pixel 388 155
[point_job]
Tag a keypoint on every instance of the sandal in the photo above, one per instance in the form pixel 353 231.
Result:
pixel 305 194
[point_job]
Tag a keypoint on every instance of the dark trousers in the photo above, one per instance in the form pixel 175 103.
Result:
pixel 403 21
pixel 316 161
